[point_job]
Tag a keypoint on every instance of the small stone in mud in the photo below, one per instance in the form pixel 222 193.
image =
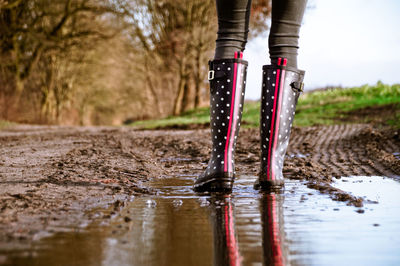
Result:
pixel 303 198
pixel 309 163
pixel 117 204
pixel 151 203
pixel 127 219
pixel 177 203
pixel 360 211
pixel 116 188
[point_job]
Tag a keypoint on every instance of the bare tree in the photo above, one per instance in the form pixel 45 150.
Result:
pixel 95 61
pixel 181 35
pixel 32 30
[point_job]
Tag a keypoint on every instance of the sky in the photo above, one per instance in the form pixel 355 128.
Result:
pixel 342 43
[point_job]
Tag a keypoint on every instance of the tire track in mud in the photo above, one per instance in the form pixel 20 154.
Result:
pixel 391 147
pixel 379 147
pixel 341 158
pixel 320 156
pixel 352 157
pixel 333 148
pixel 366 163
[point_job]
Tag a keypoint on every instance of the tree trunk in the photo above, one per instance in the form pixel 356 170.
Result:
pixel 186 99
pixel 179 96
pixel 181 86
pixel 197 80
pixel 19 83
pixel 151 87
pixel 197 97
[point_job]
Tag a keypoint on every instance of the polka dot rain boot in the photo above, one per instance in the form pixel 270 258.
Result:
pixel 281 88
pixel 227 86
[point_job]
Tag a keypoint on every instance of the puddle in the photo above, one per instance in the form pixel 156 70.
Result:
pixel 177 227
pixel 297 155
pixel 397 155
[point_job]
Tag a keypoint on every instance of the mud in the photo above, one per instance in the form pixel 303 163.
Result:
pixel 52 176
pixel 377 114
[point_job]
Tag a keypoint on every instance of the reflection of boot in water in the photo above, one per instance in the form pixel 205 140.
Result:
pixel 274 252
pixel 227 85
pixel 226 249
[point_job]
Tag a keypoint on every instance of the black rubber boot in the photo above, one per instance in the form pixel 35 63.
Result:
pixel 281 88
pixel 227 86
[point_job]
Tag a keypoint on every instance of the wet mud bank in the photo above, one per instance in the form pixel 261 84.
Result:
pixel 52 177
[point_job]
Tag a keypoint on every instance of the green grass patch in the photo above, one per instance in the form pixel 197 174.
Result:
pixel 332 105
pixel 4 124
pixel 196 116
pixel 323 107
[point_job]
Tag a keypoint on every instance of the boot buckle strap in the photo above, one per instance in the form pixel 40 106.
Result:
pixel 299 86
pixel 211 74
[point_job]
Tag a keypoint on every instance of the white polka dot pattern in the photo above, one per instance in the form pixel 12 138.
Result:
pixel 278 93
pixel 226 113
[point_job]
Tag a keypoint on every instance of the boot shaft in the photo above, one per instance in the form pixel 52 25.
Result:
pixel 227 89
pixel 281 88
pixel 227 86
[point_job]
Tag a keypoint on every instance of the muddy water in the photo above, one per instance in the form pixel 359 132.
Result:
pixel 178 227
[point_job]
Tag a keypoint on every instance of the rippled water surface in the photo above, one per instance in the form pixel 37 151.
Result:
pixel 178 227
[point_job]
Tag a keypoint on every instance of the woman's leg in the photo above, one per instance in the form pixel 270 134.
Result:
pixel 227 78
pixel 233 27
pixel 282 84
pixel 285 27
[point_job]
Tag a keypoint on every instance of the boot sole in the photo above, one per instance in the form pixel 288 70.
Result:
pixel 215 184
pixel 270 185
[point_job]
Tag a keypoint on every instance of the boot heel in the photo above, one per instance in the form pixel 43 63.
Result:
pixel 214 185
pixel 269 185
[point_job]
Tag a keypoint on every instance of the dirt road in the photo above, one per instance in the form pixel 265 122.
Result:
pixel 52 176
